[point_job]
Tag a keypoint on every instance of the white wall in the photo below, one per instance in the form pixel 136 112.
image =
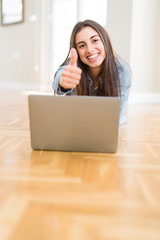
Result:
pixel 134 26
pixel 144 45
pixel 25 48
pixel 17 48
pixel 119 16
pixel 157 59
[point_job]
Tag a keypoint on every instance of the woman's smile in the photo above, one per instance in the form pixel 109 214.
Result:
pixel 93 57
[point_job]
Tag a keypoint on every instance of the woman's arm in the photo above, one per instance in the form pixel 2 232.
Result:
pixel 55 85
pixel 125 79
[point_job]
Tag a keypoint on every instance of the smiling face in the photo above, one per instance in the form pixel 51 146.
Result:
pixel 90 49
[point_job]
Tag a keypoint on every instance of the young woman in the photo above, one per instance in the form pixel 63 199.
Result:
pixel 93 69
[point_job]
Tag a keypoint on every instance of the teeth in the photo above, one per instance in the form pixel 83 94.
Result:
pixel 93 56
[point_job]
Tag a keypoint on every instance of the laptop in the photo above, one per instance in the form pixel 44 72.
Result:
pixel 74 123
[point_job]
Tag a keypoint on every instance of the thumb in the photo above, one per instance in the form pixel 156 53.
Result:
pixel 74 57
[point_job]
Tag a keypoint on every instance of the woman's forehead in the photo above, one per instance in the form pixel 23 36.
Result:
pixel 85 33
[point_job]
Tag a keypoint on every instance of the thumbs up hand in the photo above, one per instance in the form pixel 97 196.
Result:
pixel 71 75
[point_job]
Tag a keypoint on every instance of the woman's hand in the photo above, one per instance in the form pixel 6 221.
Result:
pixel 71 75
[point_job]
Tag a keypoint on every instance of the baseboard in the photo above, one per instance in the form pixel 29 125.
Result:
pixel 144 98
pixel 24 86
pixel 134 98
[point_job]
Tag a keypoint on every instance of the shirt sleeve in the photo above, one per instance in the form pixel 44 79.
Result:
pixel 56 87
pixel 125 79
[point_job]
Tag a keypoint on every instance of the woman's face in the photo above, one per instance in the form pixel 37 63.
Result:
pixel 90 48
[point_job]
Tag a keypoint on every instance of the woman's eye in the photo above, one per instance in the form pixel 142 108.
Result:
pixel 95 40
pixel 81 46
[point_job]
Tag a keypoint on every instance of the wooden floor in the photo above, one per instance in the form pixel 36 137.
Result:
pixel 46 195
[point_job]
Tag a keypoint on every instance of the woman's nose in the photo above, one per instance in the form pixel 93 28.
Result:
pixel 90 48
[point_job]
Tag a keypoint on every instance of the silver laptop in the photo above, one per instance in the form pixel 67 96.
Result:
pixel 74 123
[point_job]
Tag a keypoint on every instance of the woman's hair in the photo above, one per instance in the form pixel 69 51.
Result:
pixel 110 78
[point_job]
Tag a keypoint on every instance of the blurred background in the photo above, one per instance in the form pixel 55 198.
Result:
pixel 32 50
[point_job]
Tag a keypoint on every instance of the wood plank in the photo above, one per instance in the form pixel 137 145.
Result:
pixel 71 195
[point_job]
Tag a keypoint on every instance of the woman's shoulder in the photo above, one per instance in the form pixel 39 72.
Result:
pixel 122 65
pixel 124 71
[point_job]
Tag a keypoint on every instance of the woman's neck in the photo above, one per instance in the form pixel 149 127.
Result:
pixel 95 73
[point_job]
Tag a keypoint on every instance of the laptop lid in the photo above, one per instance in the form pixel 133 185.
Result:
pixel 74 123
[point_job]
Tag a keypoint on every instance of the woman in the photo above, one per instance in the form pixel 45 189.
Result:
pixel 93 69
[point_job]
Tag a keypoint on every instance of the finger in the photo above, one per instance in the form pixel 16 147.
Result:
pixel 74 57
pixel 72 69
pixel 66 80
pixel 71 75
pixel 69 85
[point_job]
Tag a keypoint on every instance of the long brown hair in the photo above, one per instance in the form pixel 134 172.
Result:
pixel 110 77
